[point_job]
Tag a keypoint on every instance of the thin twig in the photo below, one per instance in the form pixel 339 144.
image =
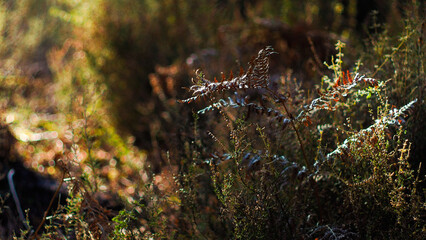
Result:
pixel 393 53
pixel 314 52
pixel 48 208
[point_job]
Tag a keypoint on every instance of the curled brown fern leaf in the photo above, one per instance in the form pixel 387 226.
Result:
pixel 255 77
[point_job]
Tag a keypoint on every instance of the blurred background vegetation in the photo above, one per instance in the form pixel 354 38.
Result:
pixel 90 88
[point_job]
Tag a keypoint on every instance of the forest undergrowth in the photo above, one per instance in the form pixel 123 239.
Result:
pixel 99 143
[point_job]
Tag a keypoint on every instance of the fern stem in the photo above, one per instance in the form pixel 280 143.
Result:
pixel 308 165
pixel 282 101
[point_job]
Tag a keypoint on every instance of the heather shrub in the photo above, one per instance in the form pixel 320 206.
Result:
pixel 255 176
pixel 290 128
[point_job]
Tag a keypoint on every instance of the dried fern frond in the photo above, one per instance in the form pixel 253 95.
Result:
pixel 289 170
pixel 394 117
pixel 222 103
pixel 255 77
pixel 330 98
pixel 252 107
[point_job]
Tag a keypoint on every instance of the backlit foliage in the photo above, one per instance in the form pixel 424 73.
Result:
pixel 114 126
